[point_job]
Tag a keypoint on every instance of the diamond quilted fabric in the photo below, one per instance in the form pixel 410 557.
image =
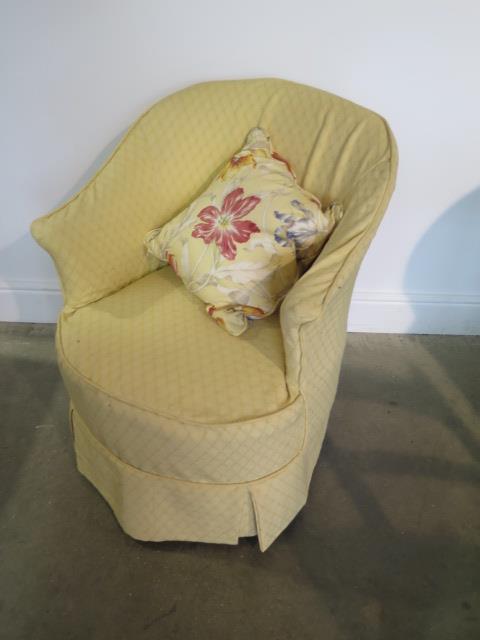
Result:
pixel 190 433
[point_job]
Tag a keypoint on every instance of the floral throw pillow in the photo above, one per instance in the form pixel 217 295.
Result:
pixel 243 243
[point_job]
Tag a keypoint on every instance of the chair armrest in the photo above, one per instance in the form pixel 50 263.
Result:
pixel 330 280
pixel 96 238
pixel 165 160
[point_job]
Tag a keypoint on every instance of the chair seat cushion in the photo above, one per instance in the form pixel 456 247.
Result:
pixel 152 346
pixel 166 392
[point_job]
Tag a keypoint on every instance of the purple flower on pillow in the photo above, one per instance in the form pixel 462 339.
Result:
pixel 301 231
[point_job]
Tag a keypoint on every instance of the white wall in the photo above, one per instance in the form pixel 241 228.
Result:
pixel 74 74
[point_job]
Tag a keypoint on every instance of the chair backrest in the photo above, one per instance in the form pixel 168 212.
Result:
pixel 329 141
pixel 339 151
pixel 175 148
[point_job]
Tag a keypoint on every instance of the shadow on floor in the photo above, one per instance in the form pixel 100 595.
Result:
pixel 386 548
pixel 30 392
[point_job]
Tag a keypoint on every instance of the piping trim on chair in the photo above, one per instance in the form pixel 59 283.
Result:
pixel 159 476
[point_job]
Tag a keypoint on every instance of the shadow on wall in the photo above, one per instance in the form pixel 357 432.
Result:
pixel 446 259
pixel 98 162
pixel 385 539
pixel 32 298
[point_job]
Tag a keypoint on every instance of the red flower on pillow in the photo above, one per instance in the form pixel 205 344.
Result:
pixel 225 226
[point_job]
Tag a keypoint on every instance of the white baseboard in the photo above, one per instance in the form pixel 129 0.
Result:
pixel 397 312
pixel 30 301
pixel 371 311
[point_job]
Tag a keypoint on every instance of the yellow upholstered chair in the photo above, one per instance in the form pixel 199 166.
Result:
pixel 190 433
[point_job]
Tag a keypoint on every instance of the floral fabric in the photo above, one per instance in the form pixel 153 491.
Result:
pixel 243 243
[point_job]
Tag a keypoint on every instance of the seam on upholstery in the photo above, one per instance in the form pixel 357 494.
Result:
pixel 367 229
pixel 341 272
pixel 258 521
pixel 364 174
pixel 159 476
pixel 91 383
pixel 366 236
pixel 368 233
pixel 119 146
pixel 70 413
pixel 70 309
pixel 133 126
pixel 300 371
pixel 127 134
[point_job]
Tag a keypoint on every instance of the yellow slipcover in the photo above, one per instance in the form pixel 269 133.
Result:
pixel 190 433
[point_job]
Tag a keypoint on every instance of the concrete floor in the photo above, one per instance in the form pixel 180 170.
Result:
pixel 388 546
